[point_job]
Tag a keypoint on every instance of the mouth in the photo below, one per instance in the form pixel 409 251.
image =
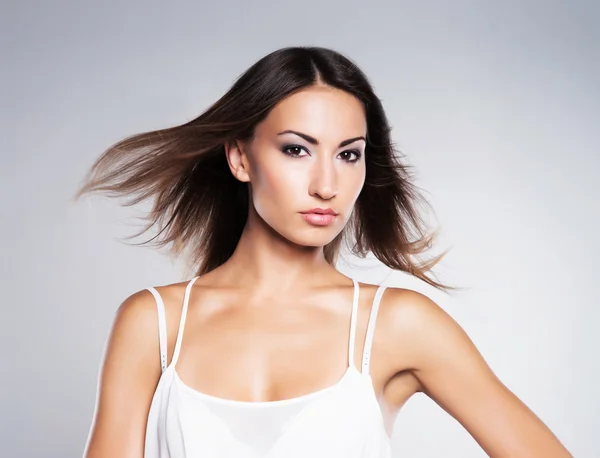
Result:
pixel 321 211
pixel 319 216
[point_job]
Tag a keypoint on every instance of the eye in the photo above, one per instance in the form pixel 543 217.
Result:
pixel 293 150
pixel 350 155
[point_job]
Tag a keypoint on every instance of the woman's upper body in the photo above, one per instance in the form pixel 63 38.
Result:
pixel 262 189
pixel 240 345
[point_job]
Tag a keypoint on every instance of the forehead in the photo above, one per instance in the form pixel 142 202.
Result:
pixel 319 111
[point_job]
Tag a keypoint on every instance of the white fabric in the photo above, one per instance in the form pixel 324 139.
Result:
pixel 162 328
pixel 343 420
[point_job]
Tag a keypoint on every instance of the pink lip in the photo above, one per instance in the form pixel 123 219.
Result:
pixel 319 219
pixel 321 211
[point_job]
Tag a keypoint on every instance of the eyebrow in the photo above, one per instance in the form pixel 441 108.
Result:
pixel 314 141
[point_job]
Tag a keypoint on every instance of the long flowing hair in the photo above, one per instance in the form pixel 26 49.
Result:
pixel 199 209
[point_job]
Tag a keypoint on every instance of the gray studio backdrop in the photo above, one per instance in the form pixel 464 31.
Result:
pixel 495 103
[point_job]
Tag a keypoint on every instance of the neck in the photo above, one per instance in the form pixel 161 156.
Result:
pixel 263 259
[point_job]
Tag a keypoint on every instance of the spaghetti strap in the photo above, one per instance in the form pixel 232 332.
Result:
pixel 353 320
pixel 186 300
pixel 162 328
pixel 371 329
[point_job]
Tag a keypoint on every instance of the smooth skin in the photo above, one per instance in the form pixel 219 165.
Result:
pixel 272 322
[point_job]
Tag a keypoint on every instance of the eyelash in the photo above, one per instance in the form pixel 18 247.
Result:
pixel 285 149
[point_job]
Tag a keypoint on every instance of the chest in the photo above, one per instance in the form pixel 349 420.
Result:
pixel 258 355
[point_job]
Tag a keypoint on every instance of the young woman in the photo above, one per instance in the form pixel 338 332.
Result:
pixel 269 351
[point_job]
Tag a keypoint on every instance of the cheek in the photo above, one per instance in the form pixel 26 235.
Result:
pixel 351 186
pixel 278 185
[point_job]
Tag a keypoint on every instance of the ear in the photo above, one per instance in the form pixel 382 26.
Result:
pixel 235 151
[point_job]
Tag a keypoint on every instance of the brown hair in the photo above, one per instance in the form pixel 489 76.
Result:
pixel 198 204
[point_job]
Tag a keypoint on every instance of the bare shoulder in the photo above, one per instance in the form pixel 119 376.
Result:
pixel 410 310
pixel 137 314
pixel 133 337
pixel 139 307
pixel 129 374
pixel 134 332
pixel 135 320
pixel 415 326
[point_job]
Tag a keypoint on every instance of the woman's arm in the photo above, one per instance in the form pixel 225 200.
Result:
pixel 128 378
pixel 454 374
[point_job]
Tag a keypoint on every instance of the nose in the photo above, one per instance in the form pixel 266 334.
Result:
pixel 323 183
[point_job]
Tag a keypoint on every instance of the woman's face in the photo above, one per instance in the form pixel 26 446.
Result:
pixel 305 159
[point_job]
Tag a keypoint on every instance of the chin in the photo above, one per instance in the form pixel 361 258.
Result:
pixel 315 239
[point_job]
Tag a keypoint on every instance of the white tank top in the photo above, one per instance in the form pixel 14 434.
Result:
pixel 343 420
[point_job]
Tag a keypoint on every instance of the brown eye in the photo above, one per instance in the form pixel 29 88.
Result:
pixel 350 155
pixel 293 150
